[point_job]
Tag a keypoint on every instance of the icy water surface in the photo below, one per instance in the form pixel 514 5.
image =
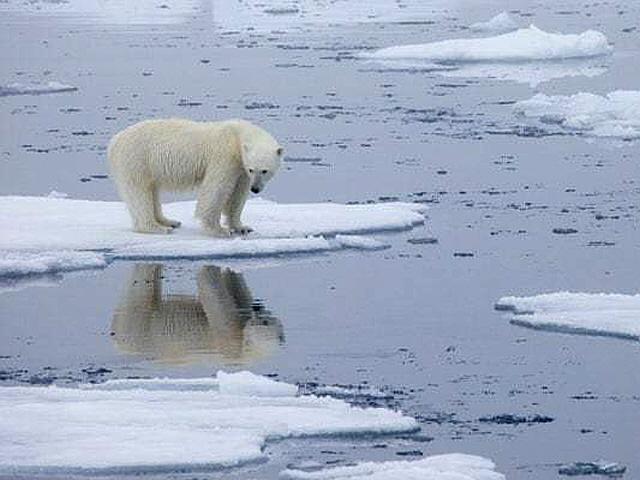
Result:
pixel 416 321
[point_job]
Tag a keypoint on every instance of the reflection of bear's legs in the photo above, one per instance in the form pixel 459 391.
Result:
pixel 140 200
pixel 234 205
pixel 157 212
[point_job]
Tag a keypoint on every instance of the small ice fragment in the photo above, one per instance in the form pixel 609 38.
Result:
pixel 501 23
pixel 600 467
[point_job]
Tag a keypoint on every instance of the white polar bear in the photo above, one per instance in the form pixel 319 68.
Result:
pixel 222 160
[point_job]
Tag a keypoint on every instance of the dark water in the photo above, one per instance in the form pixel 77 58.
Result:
pixel 416 320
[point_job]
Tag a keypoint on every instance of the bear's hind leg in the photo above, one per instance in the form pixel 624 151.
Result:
pixel 157 212
pixel 140 202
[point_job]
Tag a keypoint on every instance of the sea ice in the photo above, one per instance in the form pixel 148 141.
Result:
pixel 615 115
pixel 501 23
pixel 49 234
pixel 34 88
pixel 523 45
pixel 587 313
pixel 15 264
pixel 166 425
pixel 453 466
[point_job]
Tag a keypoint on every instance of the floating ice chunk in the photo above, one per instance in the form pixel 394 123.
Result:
pixel 455 466
pixel 587 313
pixel 16 264
pixel 35 89
pixel 501 23
pixel 614 115
pixel 57 194
pixel 523 45
pixel 360 242
pixel 600 467
pixel 33 225
pixel 167 425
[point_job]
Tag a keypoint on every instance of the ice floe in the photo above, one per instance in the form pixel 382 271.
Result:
pixel 585 313
pixel 528 55
pixel 35 88
pixel 615 115
pixel 523 45
pixel 43 234
pixel 501 23
pixel 453 466
pixel 167 425
pixel 14 264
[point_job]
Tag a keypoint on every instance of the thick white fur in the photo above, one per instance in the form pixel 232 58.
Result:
pixel 222 160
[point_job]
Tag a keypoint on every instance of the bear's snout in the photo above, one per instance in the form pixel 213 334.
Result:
pixel 255 189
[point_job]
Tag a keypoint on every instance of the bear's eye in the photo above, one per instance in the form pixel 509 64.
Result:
pixel 251 170
pixel 264 172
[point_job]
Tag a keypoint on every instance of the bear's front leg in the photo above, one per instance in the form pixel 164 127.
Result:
pixel 211 200
pixel 235 204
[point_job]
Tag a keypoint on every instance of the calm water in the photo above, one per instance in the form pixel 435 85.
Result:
pixel 415 320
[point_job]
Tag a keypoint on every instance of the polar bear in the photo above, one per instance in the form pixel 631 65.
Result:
pixel 223 160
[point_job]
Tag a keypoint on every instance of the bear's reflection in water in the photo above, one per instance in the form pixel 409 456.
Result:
pixel 223 323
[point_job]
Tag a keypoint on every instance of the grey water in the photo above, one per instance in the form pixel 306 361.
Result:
pixel 416 320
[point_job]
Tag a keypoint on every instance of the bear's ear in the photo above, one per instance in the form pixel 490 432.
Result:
pixel 280 151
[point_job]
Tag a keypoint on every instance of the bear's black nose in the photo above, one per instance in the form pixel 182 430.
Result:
pixel 255 189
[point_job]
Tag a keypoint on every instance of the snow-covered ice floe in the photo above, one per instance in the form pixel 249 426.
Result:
pixel 616 115
pixel 523 45
pixel 35 88
pixel 527 55
pixel 167 425
pixel 501 23
pixel 45 234
pixel 605 314
pixel 453 466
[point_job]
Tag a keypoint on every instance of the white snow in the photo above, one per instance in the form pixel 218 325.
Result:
pixel 44 234
pixel 166 425
pixel 588 313
pixel 34 88
pixel 454 466
pixel 523 45
pixel 615 115
pixel 501 23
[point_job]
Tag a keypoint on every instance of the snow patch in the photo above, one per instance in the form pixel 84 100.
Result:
pixel 586 313
pixel 615 115
pixel 501 23
pixel 523 45
pixel 455 466
pixel 135 426
pixel 49 234
pixel 34 89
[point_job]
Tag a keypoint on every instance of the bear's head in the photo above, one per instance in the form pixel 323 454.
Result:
pixel 261 159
